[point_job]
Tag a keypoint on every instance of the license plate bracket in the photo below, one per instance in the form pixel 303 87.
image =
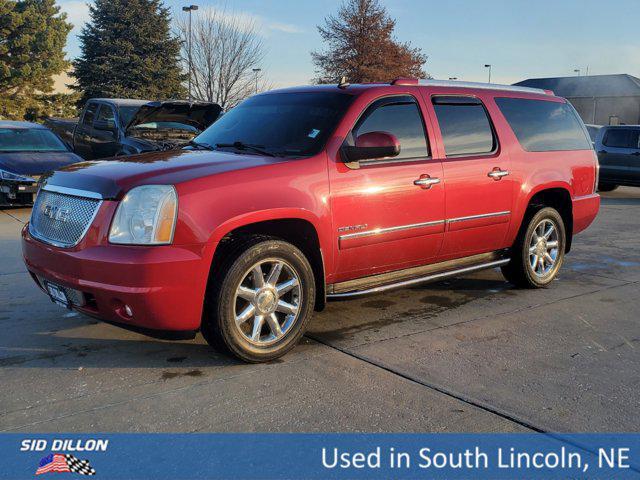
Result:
pixel 57 294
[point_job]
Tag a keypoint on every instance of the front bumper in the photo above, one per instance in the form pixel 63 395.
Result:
pixel 163 286
pixel 17 193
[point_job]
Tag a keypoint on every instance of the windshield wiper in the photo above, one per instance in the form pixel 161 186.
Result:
pixel 247 146
pixel 200 146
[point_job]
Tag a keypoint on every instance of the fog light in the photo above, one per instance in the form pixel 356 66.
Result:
pixel 128 311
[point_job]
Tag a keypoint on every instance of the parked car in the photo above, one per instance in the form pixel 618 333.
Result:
pixel 312 193
pixel 28 150
pixel 115 127
pixel 618 150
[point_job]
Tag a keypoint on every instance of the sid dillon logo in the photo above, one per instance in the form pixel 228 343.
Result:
pixel 57 462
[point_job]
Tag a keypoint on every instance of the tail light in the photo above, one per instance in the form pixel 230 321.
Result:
pixel 597 166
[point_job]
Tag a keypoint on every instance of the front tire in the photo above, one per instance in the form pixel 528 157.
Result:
pixel 260 301
pixel 538 252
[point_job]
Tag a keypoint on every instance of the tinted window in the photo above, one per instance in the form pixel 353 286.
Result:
pixel 621 138
pixel 542 126
pixel 402 119
pixel 286 124
pixel 465 128
pixel 89 114
pixel 29 140
pixel 106 114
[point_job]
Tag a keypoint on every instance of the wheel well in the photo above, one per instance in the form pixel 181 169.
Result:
pixel 557 198
pixel 298 232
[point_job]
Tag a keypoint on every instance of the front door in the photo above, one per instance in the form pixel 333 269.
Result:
pixel 84 129
pixel 388 214
pixel 476 174
pixel 105 133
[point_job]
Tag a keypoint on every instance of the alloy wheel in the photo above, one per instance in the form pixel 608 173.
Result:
pixel 544 248
pixel 267 302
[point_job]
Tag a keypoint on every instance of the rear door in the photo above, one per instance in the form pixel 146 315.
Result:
pixel 82 136
pixel 619 155
pixel 383 220
pixel 479 191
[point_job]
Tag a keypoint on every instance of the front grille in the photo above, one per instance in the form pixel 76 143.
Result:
pixel 60 219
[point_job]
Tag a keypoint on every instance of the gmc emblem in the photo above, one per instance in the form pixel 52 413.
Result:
pixel 56 213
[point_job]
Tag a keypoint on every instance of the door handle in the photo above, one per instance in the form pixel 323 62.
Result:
pixel 497 173
pixel 426 182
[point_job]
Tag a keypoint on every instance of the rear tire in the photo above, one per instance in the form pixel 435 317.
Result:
pixel 538 252
pixel 260 301
pixel 606 187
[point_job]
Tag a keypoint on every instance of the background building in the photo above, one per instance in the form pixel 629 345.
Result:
pixel 599 99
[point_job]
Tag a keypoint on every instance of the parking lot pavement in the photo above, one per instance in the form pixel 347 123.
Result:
pixel 470 354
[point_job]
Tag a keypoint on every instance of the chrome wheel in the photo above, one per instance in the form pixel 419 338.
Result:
pixel 267 302
pixel 544 248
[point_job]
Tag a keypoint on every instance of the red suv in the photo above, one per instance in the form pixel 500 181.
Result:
pixel 304 194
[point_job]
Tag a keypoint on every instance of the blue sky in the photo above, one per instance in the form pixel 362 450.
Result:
pixel 521 39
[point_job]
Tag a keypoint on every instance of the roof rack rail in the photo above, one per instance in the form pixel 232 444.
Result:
pixel 486 86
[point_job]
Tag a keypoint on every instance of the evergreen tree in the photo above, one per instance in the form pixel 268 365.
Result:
pixel 33 34
pixel 128 51
pixel 361 46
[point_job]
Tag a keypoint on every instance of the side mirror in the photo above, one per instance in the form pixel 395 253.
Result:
pixel 371 146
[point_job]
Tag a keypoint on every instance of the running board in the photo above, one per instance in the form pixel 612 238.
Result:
pixel 413 276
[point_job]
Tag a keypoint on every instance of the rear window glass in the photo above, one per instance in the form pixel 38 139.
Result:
pixel 621 138
pixel 465 128
pixel 543 126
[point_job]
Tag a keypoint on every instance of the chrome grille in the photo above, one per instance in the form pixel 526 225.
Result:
pixel 60 219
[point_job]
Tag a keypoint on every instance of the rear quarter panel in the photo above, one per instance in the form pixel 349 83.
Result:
pixel 533 172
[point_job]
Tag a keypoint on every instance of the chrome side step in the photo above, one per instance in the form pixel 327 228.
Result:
pixel 417 280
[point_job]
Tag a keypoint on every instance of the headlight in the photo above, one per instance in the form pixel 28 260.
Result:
pixel 13 177
pixel 146 216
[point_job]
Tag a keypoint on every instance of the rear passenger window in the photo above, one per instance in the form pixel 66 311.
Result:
pixel 399 116
pixel 621 138
pixel 89 114
pixel 543 126
pixel 465 126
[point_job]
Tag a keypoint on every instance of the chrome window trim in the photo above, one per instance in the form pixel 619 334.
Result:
pixel 379 231
pixel 73 192
pixel 474 217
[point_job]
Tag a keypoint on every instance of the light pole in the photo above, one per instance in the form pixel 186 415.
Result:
pixel 190 8
pixel 577 71
pixel 257 71
pixel 489 67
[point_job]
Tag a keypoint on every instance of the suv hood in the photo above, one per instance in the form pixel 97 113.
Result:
pixel 36 163
pixel 196 114
pixel 113 178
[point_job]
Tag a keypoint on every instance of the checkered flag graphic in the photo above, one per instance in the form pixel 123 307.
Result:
pixel 83 467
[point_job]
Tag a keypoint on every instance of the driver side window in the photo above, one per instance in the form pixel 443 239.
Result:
pixel 401 117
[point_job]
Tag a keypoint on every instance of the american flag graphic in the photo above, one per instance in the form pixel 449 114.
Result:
pixel 57 462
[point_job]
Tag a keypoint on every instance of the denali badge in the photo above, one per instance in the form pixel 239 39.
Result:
pixel 56 213
pixel 352 228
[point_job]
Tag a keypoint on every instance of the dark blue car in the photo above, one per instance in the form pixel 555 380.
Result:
pixel 618 149
pixel 28 150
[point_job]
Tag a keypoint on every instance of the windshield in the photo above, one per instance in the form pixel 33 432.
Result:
pixel 30 140
pixel 285 124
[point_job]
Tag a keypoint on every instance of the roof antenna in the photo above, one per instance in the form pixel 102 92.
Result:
pixel 343 82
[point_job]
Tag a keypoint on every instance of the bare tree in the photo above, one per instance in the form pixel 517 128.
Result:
pixel 225 52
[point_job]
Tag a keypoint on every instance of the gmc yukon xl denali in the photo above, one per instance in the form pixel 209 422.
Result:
pixel 306 194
